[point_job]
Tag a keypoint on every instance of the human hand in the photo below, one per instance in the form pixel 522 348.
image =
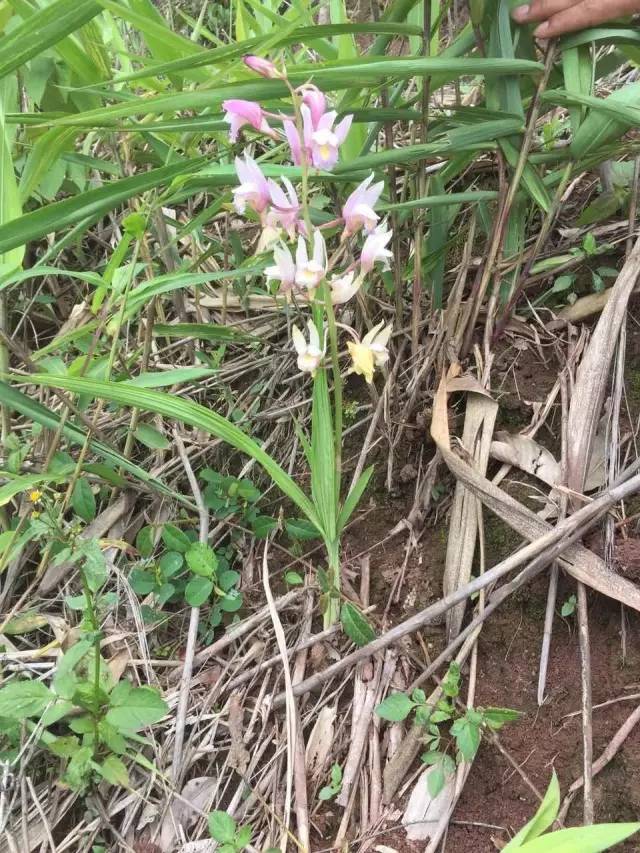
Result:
pixel 558 17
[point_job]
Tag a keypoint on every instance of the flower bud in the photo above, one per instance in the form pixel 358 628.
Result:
pixel 263 67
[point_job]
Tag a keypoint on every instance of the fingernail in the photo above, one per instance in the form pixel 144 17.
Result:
pixel 520 13
pixel 542 30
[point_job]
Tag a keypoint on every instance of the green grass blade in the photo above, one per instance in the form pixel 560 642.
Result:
pixel 202 331
pixel 10 206
pixel 43 29
pixel 353 499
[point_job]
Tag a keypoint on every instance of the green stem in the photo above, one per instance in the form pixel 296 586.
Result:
pixel 95 627
pixel 337 388
pixel 332 611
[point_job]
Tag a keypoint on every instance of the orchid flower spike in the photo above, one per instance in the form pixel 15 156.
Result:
pixel 286 207
pixel 343 287
pixel 254 188
pixel 283 270
pixel 324 139
pixel 374 249
pixel 358 209
pixel 263 67
pixel 310 354
pixel 238 113
pixel 311 270
pixel 371 351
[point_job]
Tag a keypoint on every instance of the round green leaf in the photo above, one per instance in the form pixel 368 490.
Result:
pixel 175 539
pixel 170 563
pixel 202 560
pixel 198 591
pixel 396 707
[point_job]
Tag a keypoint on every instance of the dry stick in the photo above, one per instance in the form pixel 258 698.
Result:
pixel 612 748
pixel 503 216
pixel 291 708
pixel 560 535
pixel 276 659
pixel 235 632
pixel 552 593
pixel 299 761
pixel 587 720
pixel 194 619
pixel 507 589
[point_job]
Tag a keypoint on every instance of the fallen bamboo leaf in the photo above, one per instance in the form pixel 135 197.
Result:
pixel 592 376
pixel 525 453
pixel 479 421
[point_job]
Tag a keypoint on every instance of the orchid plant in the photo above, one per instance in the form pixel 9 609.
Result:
pixel 318 282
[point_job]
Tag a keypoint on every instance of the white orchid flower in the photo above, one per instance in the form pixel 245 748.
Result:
pixel 343 287
pixel 283 270
pixel 311 353
pixel 311 270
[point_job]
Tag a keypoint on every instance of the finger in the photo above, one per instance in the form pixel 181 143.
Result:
pixel 588 13
pixel 540 10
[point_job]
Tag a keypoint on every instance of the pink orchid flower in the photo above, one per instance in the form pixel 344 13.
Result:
pixel 374 249
pixel 286 207
pixel 283 270
pixel 325 140
pixel 311 270
pixel 254 188
pixel 295 143
pixel 358 209
pixel 238 113
pixel 321 141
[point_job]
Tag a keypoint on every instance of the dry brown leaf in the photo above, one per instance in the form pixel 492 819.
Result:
pixel 424 812
pixel 525 453
pixel 320 742
pixel 196 797
pixel 463 528
pixel 592 376
pixel 117 664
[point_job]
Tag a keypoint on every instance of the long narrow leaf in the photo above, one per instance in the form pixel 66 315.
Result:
pixel 190 413
pixel 43 29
